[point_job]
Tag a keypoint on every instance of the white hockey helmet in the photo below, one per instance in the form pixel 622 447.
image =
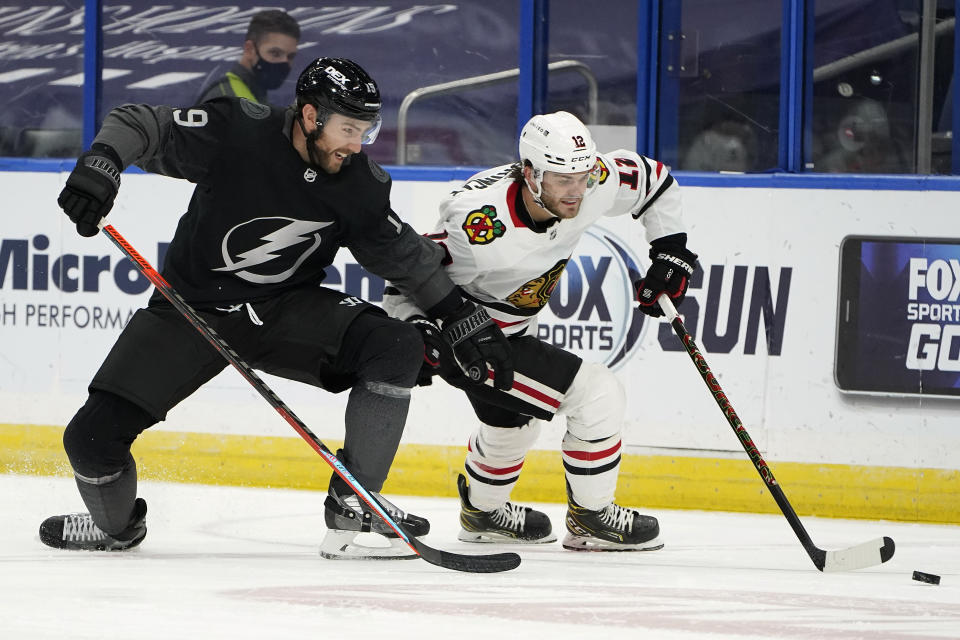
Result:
pixel 556 142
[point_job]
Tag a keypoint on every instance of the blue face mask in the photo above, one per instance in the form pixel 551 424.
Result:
pixel 270 75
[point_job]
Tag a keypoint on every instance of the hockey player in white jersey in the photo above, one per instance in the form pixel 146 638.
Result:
pixel 508 233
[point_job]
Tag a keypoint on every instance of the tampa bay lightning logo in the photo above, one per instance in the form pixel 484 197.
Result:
pixel 269 250
pixel 592 312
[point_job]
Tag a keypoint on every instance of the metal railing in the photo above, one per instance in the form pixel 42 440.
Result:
pixel 476 82
pixel 925 37
pixel 878 53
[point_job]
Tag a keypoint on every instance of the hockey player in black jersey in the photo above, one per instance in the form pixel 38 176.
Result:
pixel 278 193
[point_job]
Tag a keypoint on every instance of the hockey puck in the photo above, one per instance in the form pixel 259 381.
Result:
pixel 929 578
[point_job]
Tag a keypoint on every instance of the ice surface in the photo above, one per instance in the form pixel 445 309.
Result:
pixel 224 562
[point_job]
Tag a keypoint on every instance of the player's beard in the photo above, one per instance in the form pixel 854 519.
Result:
pixel 330 161
pixel 559 209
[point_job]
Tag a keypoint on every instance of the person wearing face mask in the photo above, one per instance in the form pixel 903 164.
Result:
pixel 507 235
pixel 269 49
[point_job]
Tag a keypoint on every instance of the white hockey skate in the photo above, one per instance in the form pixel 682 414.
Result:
pixel 354 532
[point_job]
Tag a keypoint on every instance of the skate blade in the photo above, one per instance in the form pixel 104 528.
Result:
pixel 349 545
pixel 488 537
pixel 581 543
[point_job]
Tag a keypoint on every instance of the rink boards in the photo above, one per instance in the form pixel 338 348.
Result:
pixel 764 310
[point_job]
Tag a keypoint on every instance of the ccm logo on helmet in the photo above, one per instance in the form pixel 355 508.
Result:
pixel 580 158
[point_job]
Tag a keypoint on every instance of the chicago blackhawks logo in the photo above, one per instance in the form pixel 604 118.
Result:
pixel 536 293
pixel 482 226
pixel 600 172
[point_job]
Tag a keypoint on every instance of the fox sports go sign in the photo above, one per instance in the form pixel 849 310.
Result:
pixel 591 311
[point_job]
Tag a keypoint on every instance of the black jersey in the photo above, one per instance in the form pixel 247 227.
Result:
pixel 261 220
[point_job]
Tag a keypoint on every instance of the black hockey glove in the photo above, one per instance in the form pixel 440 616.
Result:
pixel 669 273
pixel 477 340
pixel 91 188
pixel 433 348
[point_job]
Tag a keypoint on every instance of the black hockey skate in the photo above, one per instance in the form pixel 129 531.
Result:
pixel 510 523
pixel 347 516
pixel 613 528
pixel 77 531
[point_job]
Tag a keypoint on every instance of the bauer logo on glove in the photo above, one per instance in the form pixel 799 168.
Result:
pixel 477 340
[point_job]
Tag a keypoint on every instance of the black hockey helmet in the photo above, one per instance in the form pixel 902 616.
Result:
pixel 338 85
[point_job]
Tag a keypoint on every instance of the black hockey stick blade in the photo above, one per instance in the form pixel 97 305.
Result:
pixel 493 563
pixel 860 556
pixel 475 564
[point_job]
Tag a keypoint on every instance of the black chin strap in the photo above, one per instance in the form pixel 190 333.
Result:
pixel 311 139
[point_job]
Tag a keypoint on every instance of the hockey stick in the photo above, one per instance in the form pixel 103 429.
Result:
pixel 860 556
pixel 474 564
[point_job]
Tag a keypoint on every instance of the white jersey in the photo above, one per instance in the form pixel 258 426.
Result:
pixel 505 261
